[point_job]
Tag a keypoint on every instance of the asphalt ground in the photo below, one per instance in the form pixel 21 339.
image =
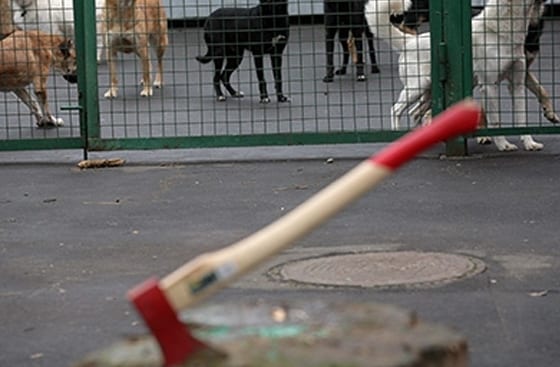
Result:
pixel 72 242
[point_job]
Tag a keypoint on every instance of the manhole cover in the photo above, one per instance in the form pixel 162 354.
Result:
pixel 379 269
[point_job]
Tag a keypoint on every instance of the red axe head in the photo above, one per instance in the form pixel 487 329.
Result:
pixel 176 342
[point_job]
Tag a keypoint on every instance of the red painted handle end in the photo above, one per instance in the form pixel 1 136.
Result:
pixel 459 119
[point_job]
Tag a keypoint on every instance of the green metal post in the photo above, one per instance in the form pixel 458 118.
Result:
pixel 85 29
pixel 450 26
pixel 439 62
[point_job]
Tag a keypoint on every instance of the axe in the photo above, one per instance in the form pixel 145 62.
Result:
pixel 159 301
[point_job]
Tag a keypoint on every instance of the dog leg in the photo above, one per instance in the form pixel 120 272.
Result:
pixel 31 103
pixel 258 60
pixel 47 119
pixel 276 61
pixel 421 112
pixel 489 93
pixel 345 40
pixel 218 64
pixel 113 90
pixel 544 98
pixel 407 97
pixel 371 49
pixel 359 56
pixel 143 53
pixel 101 38
pixel 329 45
pixel 231 65
pixel 345 57
pixel 161 41
pixel 519 92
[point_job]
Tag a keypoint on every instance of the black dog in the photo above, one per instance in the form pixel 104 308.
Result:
pixel 343 17
pixel 263 29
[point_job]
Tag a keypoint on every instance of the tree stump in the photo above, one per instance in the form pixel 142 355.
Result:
pixel 301 335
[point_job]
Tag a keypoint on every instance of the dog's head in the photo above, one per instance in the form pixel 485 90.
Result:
pixel 416 13
pixel 64 60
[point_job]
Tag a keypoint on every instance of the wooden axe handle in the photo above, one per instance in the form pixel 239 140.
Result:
pixel 212 271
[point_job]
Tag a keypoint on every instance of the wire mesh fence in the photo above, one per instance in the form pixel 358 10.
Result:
pixel 187 104
pixel 325 101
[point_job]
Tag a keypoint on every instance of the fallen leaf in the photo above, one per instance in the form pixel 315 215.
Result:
pixel 99 163
pixel 539 293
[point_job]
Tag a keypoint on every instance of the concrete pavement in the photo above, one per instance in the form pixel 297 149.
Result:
pixel 72 242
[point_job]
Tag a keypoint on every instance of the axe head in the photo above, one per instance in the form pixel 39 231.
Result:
pixel 174 339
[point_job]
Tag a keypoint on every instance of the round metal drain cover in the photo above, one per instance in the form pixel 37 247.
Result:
pixel 379 269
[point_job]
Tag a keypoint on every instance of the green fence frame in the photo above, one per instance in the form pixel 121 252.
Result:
pixel 451 76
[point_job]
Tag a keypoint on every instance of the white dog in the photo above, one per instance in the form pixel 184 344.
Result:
pixel 498 53
pixel 54 16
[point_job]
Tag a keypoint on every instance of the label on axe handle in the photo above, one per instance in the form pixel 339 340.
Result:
pixel 222 272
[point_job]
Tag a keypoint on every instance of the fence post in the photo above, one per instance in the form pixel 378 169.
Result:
pixel 450 27
pixel 88 95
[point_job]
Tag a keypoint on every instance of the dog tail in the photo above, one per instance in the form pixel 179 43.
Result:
pixel 210 54
pixel 378 15
pixel 204 59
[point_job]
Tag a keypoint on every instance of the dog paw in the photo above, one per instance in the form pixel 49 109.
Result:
pixel 158 84
pixel 533 147
pixel 265 100
pixel 328 79
pixel 530 144
pixel 221 98
pixel 111 93
pixel 507 147
pixel 484 140
pixel 238 95
pixel 503 145
pixel 375 69
pixel 426 119
pixel 552 117
pixel 282 98
pixel 146 92
pixel 341 71
pixel 50 122
pixel 361 78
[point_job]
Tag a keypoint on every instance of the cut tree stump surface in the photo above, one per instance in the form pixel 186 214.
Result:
pixel 301 335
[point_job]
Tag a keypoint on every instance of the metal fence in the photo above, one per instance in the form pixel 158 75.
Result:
pixel 185 112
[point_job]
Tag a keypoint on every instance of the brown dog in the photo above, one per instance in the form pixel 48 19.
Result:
pixel 134 26
pixel 26 57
